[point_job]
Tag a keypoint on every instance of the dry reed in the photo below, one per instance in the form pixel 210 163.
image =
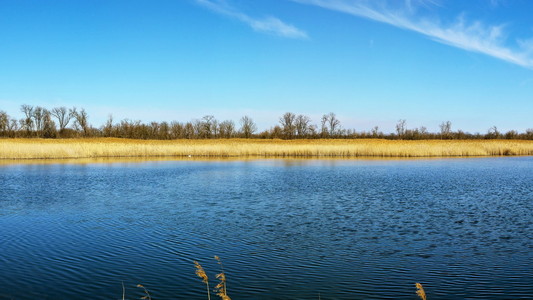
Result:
pixel 221 287
pixel 114 147
pixel 146 294
pixel 201 273
pixel 221 291
pixel 420 291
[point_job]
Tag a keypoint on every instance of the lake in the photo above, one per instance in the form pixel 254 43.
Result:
pixel 284 229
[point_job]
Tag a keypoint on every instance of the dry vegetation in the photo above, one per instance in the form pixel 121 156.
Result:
pixel 114 147
pixel 221 290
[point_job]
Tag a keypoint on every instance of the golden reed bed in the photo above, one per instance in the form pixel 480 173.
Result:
pixel 113 147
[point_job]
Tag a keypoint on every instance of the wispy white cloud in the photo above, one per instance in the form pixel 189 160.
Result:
pixel 270 25
pixel 468 35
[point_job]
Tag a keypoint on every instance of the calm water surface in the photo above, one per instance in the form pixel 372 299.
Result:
pixel 285 229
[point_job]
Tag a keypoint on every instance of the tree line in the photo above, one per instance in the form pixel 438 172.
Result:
pixel 63 122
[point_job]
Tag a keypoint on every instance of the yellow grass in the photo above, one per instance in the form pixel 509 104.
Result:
pixel 113 147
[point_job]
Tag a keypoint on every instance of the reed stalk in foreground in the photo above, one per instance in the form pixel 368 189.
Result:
pixel 220 288
pixel 420 291
pixel 147 295
pixel 201 273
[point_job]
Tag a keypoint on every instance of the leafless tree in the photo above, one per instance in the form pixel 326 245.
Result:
pixel 208 124
pixel 107 129
pixel 493 133
pixel 445 129
pixel 48 129
pixel 400 128
pixel 27 122
pixel 248 127
pixel 164 131
pixel 302 124
pixel 63 117
pixel 38 114
pixel 324 126
pixel 227 129
pixel 13 128
pixel 4 123
pixel 287 122
pixel 81 121
pixel 334 124
pixel 375 131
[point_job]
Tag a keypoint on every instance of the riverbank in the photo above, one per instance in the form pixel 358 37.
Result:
pixel 114 147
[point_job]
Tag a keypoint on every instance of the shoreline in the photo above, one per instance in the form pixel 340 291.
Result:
pixel 82 148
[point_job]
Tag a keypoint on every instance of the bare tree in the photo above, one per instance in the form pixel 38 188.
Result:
pixel 375 131
pixel 400 128
pixel 81 121
pixel 176 130
pixel 63 117
pixel 493 133
pixel 208 122
pixel 48 125
pixel 13 128
pixel 38 114
pixel 4 123
pixel 324 126
pixel 27 122
pixel 302 124
pixel 248 126
pixel 334 124
pixel 287 122
pixel 164 131
pixel 227 129
pixel 445 129
pixel 189 130
pixel 107 129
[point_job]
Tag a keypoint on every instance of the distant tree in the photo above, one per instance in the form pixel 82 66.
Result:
pixel 13 128
pixel 81 120
pixel 313 131
pixel 48 129
pixel 208 127
pixel 176 130
pixel 529 134
pixel 248 126
pixel 276 132
pixel 375 132
pixel 324 126
pixel 164 131
pixel 154 130
pixel 401 128
pixel 511 134
pixel 302 125
pixel 38 115
pixel 107 129
pixel 227 129
pixel 446 129
pixel 4 123
pixel 27 122
pixel 493 133
pixel 63 116
pixel 334 124
pixel 189 131
pixel 287 122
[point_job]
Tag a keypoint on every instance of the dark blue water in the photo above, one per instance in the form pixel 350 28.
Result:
pixel 284 229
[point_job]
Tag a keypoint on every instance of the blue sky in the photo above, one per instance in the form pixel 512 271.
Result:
pixel 372 62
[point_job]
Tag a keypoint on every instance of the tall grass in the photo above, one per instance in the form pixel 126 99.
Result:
pixel 113 147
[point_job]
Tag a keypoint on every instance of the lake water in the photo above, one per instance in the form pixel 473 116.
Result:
pixel 284 229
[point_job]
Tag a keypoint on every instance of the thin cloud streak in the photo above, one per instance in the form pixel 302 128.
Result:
pixel 473 36
pixel 270 25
